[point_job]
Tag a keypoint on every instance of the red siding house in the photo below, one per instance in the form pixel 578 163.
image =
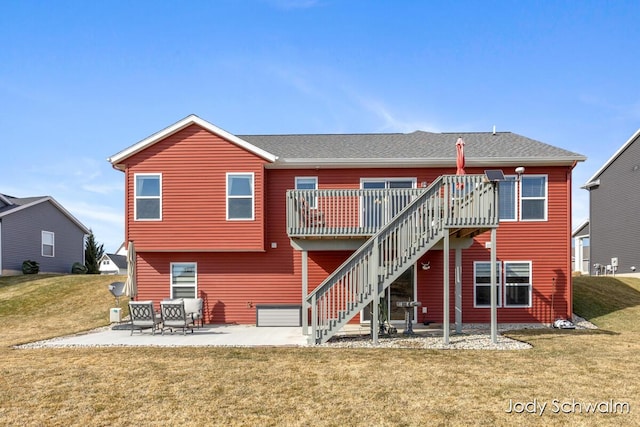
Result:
pixel 317 229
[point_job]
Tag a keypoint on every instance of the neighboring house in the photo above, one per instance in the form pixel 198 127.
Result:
pixel 271 222
pixel 614 202
pixel 581 248
pixel 39 229
pixel 113 264
pixel 122 250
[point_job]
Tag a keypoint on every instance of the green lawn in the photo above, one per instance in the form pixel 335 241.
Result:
pixel 311 386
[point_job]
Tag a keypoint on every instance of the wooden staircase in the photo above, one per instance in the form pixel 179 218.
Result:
pixel 462 206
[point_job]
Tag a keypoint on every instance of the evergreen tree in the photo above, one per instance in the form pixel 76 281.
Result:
pixel 92 254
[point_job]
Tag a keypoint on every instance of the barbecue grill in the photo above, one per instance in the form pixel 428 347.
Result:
pixel 408 314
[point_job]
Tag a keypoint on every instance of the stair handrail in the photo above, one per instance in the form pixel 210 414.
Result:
pixel 429 191
pixel 440 203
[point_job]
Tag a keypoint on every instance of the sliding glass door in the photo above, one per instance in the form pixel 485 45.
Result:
pixel 378 207
pixel 402 289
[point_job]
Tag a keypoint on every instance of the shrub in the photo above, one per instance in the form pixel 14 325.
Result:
pixel 30 267
pixel 79 268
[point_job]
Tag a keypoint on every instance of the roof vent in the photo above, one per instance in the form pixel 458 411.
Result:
pixel 494 129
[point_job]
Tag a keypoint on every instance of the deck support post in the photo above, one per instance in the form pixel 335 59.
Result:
pixel 375 262
pixel 305 292
pixel 445 298
pixel 458 290
pixel 314 338
pixel 494 291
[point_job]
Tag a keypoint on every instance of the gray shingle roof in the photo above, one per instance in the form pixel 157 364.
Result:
pixel 432 148
pixel 418 149
pixel 593 181
pixel 19 201
pixel 119 260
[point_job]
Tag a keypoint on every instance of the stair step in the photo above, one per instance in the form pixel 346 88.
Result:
pixel 395 260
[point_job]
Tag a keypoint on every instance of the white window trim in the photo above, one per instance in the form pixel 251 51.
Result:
pixel 53 245
pixel 136 197
pixel 314 201
pixel 504 270
pixel 414 181
pixel 516 199
pixel 498 284
pixel 545 198
pixel 253 196
pixel 195 277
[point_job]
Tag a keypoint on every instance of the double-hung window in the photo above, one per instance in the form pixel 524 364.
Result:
pixel 517 283
pixel 531 205
pixel 184 280
pixel 533 198
pixel 308 183
pixel 48 243
pixel 482 284
pixel 507 202
pixel 240 196
pixel 148 196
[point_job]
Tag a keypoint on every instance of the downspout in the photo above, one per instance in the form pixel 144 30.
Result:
pixel 458 290
pixel 569 293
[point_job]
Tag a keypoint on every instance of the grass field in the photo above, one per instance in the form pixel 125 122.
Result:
pixel 564 370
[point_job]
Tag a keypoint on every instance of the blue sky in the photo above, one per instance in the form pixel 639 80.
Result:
pixel 82 80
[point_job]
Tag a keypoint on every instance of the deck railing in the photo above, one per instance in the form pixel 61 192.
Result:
pixel 449 202
pixel 470 202
pixel 362 212
pixel 352 212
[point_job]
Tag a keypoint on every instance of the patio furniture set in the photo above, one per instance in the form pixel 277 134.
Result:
pixel 182 313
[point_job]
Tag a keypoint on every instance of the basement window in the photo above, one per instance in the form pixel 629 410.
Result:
pixel 482 284
pixel 517 283
pixel 184 280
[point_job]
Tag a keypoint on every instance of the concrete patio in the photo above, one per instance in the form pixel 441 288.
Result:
pixel 252 336
pixel 119 334
pixel 209 335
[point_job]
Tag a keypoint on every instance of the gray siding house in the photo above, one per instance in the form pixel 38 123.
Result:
pixel 581 249
pixel 614 212
pixel 39 229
